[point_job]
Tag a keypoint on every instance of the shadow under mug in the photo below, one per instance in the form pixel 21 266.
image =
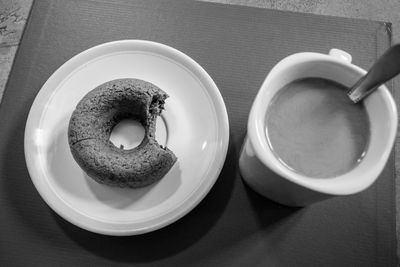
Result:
pixel 265 174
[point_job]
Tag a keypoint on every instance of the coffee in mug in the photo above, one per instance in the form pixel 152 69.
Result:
pixel 314 129
pixel 306 141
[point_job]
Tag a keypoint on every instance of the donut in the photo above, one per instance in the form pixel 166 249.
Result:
pixel 93 120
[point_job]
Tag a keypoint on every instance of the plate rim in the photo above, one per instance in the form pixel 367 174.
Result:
pixel 81 220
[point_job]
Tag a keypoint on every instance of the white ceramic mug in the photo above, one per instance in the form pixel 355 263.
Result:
pixel 264 173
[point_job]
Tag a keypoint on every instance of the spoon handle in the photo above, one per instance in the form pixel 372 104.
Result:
pixel 384 69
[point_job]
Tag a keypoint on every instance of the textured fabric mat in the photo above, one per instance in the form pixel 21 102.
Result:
pixel 232 226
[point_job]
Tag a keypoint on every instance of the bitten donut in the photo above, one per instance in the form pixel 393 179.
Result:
pixel 93 120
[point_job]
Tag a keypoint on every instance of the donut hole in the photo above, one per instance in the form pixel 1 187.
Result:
pixel 127 134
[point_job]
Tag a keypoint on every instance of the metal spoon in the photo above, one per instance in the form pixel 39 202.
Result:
pixel 384 69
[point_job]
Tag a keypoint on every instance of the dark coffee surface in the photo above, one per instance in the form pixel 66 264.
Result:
pixel 232 226
pixel 314 128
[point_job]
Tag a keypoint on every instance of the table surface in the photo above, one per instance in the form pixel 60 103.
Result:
pixel 14 13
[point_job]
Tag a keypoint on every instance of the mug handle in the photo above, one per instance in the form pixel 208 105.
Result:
pixel 340 54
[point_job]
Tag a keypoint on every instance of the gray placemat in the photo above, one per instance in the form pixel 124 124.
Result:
pixel 232 226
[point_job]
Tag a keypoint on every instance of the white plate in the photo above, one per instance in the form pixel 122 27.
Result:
pixel 194 125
